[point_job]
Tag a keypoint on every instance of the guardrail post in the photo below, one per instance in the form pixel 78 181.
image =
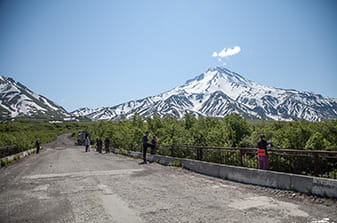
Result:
pixel 172 152
pixel 316 164
pixel 241 160
pixel 199 153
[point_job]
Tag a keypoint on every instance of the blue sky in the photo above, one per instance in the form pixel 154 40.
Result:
pixel 86 53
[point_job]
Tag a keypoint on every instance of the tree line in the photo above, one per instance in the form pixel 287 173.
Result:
pixel 24 135
pixel 229 131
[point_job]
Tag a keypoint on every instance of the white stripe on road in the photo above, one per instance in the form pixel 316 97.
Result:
pixel 83 174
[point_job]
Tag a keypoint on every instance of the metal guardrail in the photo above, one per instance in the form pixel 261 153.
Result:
pixel 9 150
pixel 306 162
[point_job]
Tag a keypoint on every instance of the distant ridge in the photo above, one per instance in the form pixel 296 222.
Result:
pixel 218 92
pixel 16 100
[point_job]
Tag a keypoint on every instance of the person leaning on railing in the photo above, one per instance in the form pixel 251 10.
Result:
pixel 262 153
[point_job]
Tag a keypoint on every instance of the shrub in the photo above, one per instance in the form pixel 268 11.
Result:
pixel 177 163
pixel 3 163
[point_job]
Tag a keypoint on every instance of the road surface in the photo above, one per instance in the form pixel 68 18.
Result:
pixel 65 184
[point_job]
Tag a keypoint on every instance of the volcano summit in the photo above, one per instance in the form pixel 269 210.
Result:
pixel 218 92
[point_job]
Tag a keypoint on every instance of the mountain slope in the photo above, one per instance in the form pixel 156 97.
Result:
pixel 16 100
pixel 218 92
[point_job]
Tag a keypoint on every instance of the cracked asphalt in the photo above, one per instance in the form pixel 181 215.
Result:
pixel 65 184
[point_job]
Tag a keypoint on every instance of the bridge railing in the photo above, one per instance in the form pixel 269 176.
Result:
pixel 306 162
pixel 9 150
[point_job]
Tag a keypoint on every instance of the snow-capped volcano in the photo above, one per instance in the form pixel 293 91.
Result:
pixel 17 100
pixel 218 92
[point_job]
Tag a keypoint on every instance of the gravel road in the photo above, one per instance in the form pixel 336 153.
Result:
pixel 65 184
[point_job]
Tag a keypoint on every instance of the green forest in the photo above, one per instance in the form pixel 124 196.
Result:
pixel 230 131
pixel 24 135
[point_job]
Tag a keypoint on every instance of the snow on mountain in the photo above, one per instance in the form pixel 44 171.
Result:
pixel 17 100
pixel 218 92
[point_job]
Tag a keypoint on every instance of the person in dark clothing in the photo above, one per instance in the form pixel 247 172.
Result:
pixel 153 147
pixel 37 145
pixel 87 143
pixel 96 144
pixel 107 145
pixel 146 144
pixel 262 152
pixel 99 144
pixel 154 144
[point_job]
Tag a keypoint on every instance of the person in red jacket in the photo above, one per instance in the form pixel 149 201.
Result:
pixel 262 152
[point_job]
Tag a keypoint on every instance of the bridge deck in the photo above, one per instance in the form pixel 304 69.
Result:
pixel 65 184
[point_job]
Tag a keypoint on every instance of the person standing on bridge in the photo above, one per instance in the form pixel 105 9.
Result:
pixel 145 143
pixel 96 144
pixel 153 147
pixel 262 152
pixel 87 143
pixel 107 145
pixel 37 145
pixel 99 145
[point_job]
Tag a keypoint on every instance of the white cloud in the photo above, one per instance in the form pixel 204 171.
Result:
pixel 227 52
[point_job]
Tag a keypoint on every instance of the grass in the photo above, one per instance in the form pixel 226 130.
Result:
pixel 177 163
pixel 3 163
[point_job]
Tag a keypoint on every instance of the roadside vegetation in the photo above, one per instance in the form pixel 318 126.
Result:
pixel 230 131
pixel 24 135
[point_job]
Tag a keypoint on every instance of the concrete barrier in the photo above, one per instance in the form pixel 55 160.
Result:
pixel 324 187
pixel 306 184
pixel 14 157
pixel 303 183
pixel 164 160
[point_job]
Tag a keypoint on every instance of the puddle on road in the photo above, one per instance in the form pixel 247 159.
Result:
pixel 267 203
